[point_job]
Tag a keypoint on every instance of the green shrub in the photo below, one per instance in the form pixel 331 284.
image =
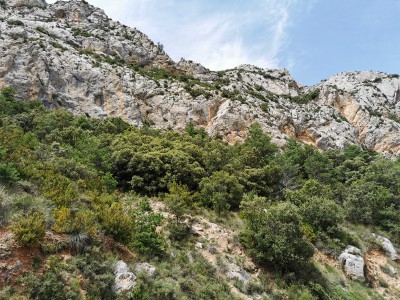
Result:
pixel 97 272
pixel 43 30
pixel 179 200
pixel 366 202
pixel 29 229
pixel 15 22
pixel 178 232
pixel 8 173
pixel 305 98
pixel 117 221
pixel 146 240
pixel 52 284
pixel 221 191
pixel 277 240
pixel 80 32
pixel 321 213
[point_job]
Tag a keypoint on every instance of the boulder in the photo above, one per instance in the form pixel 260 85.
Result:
pixel 387 246
pixel 125 280
pixel 147 268
pixel 352 263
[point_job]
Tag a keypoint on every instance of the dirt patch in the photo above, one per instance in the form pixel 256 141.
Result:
pixel 387 285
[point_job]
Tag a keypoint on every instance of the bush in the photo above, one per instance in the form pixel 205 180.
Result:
pixel 178 232
pixel 8 172
pixel 29 229
pixel 179 200
pixel 146 240
pixel 277 241
pixel 52 284
pixel 305 98
pixel 117 221
pixel 366 202
pixel 98 275
pixel 221 191
pixel 257 149
pixel 15 22
pixel 264 107
pixel 321 213
pixel 79 223
pixel 42 30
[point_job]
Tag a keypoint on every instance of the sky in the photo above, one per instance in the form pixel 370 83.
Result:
pixel 313 39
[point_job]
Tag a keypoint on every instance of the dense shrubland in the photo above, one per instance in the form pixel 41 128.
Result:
pixel 90 178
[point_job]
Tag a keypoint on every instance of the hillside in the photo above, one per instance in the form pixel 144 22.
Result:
pixel 126 175
pixel 71 55
pixel 99 209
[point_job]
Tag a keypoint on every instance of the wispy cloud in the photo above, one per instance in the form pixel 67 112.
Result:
pixel 218 34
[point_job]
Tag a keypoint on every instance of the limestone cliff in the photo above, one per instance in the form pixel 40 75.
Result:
pixel 71 55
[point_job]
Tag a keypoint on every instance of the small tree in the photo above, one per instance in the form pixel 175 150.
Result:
pixel 179 200
pixel 7 171
pixel 221 191
pixel 257 149
pixel 277 240
pixel 29 229
pixel 322 213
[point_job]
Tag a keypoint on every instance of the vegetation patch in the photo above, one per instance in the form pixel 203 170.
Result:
pixel 96 183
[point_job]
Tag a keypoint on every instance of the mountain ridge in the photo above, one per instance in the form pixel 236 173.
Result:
pixel 70 54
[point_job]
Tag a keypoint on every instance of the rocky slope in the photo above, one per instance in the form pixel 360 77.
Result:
pixel 71 55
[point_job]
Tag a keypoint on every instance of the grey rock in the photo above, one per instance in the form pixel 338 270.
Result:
pixel 125 280
pixel 353 263
pixel 147 268
pixel 387 246
pixel 235 272
pixel 213 250
pixel 243 277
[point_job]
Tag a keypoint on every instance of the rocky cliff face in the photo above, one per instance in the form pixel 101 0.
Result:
pixel 71 55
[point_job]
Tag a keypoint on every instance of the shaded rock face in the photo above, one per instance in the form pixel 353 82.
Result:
pixel 353 263
pixel 387 246
pixel 70 54
pixel 125 280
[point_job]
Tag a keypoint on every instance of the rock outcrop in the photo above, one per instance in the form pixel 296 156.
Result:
pixel 146 268
pixel 353 263
pixel 125 280
pixel 71 55
pixel 387 246
pixel 237 273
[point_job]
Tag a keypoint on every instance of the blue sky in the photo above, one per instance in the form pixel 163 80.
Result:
pixel 314 39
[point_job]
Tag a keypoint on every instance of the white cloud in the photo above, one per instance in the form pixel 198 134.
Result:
pixel 219 35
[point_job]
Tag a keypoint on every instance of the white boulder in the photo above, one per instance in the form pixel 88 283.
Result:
pixel 125 280
pixel 352 263
pixel 387 246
